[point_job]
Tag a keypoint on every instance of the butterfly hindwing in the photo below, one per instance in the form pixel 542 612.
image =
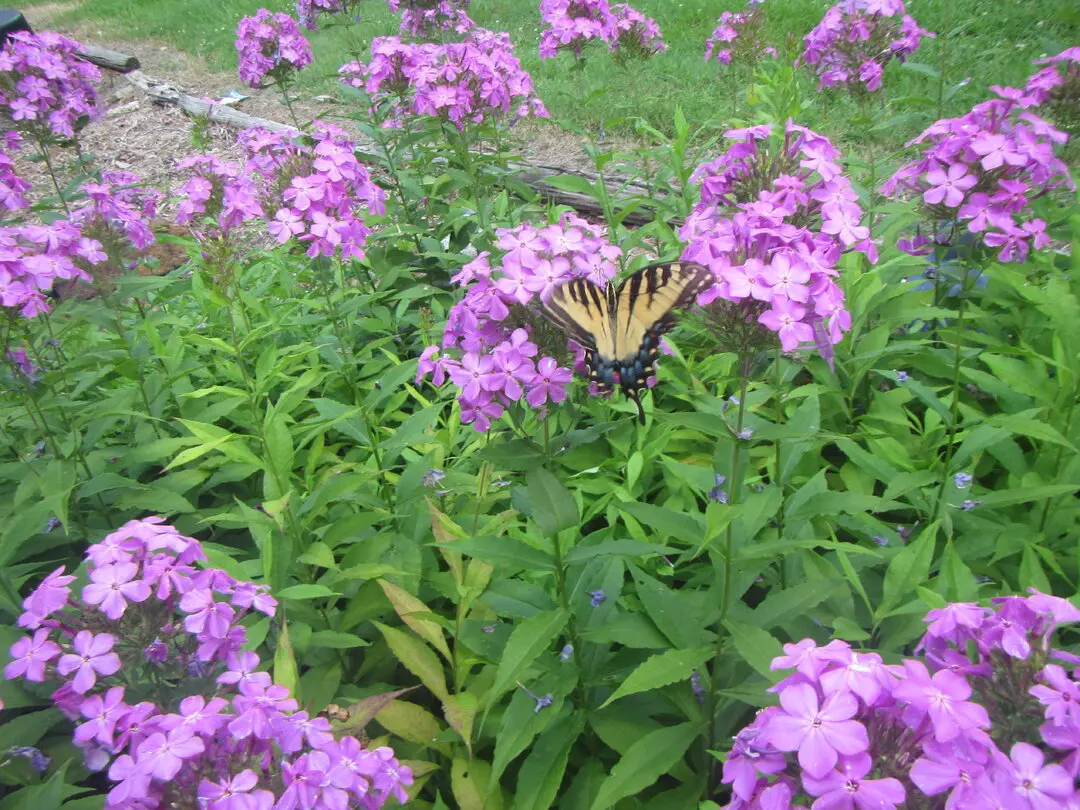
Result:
pixel 621 328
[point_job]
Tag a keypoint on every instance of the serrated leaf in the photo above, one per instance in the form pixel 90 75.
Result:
pixel 907 570
pixel 460 712
pixel 469 781
pixel 527 642
pixel 285 670
pixel 755 646
pixel 542 772
pixel 336 640
pixel 409 721
pixel 660 670
pixel 553 508
pixel 416 658
pixel 311 591
pixel 363 711
pixel 415 614
pixel 644 762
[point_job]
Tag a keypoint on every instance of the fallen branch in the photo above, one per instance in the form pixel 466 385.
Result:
pixel 113 60
pixel 162 92
pixel 537 176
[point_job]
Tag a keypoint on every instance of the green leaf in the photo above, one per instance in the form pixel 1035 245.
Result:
pixel 644 762
pixel 416 658
pixel 503 551
pixel 756 647
pixel 615 548
pixel 661 670
pixel 571 182
pixel 285 670
pixel 335 640
pixel 305 592
pixel 908 569
pixel 417 616
pixel 469 780
pixel 685 527
pixel 527 642
pixel 279 444
pixel 668 612
pixel 552 506
pixel 542 772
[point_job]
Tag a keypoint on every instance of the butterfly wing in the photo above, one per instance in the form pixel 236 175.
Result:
pixel 644 312
pixel 583 310
pixel 620 329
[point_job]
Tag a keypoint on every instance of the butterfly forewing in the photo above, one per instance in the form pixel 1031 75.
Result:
pixel 621 328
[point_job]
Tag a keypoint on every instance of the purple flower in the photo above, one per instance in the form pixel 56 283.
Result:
pixel 93 656
pixel 949 185
pixel 270 46
pixel 30 656
pixel 944 698
pixel 1033 784
pixel 819 732
pixel 566 653
pixel 234 793
pixel 113 586
pixel 847 788
pixel 962 480
pixel 102 714
pixel 162 755
pixel 549 383
pixel 1060 695
pixel 597 597
pixel 47 598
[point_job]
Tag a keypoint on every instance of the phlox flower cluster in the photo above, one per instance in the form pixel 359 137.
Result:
pixel 218 196
pixel 309 11
pixel 422 19
pixel 316 190
pixel 573 24
pixel 1055 90
pixel 13 189
pixel 44 87
pixel 986 721
pixel 982 172
pixel 270 46
pixel 34 257
pixel 856 38
pixel 496 348
pixel 737 36
pixel 221 735
pixel 470 82
pixel 118 212
pixel 775 215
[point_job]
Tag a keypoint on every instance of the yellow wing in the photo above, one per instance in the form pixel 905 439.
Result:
pixel 621 329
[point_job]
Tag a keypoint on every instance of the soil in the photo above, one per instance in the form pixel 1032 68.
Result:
pixel 146 138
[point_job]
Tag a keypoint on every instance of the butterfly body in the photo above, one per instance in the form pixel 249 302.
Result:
pixel 620 328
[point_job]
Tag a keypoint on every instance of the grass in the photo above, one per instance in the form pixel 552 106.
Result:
pixel 993 42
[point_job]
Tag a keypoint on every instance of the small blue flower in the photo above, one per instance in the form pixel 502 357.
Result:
pixel 598 597
pixel 696 687
pixel 51 524
pixel 881 541
pixel 433 477
pixel 718 493
pixel 542 702
pixel 567 653
pixel 38 761
pixel 745 434
pixel 902 376
pixel 968 505
pixel 962 480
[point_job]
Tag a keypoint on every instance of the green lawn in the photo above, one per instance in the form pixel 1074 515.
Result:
pixel 993 42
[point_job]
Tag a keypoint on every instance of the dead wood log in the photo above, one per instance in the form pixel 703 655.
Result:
pixel 536 176
pixel 162 92
pixel 113 60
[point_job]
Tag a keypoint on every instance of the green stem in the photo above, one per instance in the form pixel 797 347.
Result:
pixel 283 87
pixel 777 443
pixel 734 490
pixel 44 151
pixel 955 409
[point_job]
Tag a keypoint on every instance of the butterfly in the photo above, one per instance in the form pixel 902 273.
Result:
pixel 620 327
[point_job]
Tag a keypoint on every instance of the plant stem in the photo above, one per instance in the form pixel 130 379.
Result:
pixel 955 409
pixel 734 490
pixel 283 87
pixel 44 150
